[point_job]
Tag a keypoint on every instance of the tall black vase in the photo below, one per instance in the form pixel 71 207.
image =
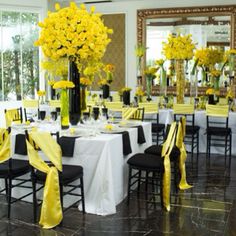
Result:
pixel 126 98
pixel 211 99
pixel 105 91
pixel 53 93
pixel 74 98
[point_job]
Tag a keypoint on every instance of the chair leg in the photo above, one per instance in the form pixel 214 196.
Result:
pixel 35 204
pixel 129 183
pixel 139 182
pixel 82 194
pixel 146 185
pixel 9 198
pixel 6 186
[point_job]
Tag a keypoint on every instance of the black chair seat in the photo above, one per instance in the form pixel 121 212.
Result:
pixel 140 161
pixel 19 167
pixel 156 150
pixel 69 174
pixel 158 127
pixel 218 131
pixel 192 129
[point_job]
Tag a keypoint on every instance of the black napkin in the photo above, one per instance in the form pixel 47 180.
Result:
pixel 67 146
pixel 126 143
pixel 141 136
pixel 20 145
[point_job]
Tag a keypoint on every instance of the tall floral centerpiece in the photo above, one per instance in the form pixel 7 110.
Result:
pixel 150 74
pixel 78 35
pixel 163 78
pixel 179 48
pixel 139 52
pixel 206 59
pixel 64 85
pixel 126 95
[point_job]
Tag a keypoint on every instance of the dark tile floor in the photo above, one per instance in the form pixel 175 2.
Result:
pixel 209 208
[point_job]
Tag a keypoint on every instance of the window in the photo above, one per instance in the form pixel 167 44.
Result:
pixel 19 59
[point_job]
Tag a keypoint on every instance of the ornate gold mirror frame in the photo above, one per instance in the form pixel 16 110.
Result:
pixel 226 10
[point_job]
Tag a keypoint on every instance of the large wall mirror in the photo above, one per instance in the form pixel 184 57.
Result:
pixel 209 26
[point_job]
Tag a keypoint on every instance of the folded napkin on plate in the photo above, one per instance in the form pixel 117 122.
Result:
pixel 67 145
pixel 141 136
pixel 20 145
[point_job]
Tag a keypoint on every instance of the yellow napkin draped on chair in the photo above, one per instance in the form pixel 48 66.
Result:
pixel 11 115
pixel 51 211
pixel 128 112
pixel 5 146
pixel 166 150
pixel 183 154
pixel 217 110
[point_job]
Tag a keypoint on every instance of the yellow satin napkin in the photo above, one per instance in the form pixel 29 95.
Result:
pixel 51 211
pixel 5 146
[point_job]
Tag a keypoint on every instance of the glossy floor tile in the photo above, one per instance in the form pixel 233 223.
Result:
pixel 209 208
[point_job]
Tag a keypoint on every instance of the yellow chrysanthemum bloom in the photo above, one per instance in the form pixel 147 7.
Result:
pixel 85 81
pixel 150 71
pixel 159 62
pixel 139 92
pixel 126 89
pixel 51 82
pixel 102 82
pixel 215 73
pixel 63 84
pixel 210 91
pixel 140 50
pixel 41 93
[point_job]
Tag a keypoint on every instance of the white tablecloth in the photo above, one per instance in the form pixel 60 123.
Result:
pixel 105 168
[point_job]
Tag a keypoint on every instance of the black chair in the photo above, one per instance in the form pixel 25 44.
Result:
pixel 69 174
pixel 192 130
pixel 13 170
pixel 13 115
pixel 218 132
pixel 31 108
pixel 152 115
pixel 156 150
pixel 153 168
pixel 137 115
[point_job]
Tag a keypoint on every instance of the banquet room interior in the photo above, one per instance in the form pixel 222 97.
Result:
pixel 118 117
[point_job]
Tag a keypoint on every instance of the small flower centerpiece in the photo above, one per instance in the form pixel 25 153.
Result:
pixel 41 94
pixel 210 92
pixel 150 74
pixel 139 93
pixel 126 95
pixel 179 48
pixel 106 81
pixel 64 85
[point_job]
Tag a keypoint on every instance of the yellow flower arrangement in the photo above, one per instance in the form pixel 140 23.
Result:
pixel 210 91
pixel 84 81
pixel 74 33
pixel 102 82
pixel 63 84
pixel 150 71
pixel 126 89
pixel 139 92
pixel 140 50
pixel 51 82
pixel 179 47
pixel 230 94
pixel 215 73
pixel 208 57
pixel 159 62
pixel 41 93
pixel 109 70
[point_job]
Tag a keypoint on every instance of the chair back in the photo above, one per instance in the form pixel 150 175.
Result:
pixel 114 106
pixel 13 115
pixel 150 107
pixel 29 108
pixel 55 103
pixel 186 110
pixel 5 147
pixel 133 113
pixel 217 115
